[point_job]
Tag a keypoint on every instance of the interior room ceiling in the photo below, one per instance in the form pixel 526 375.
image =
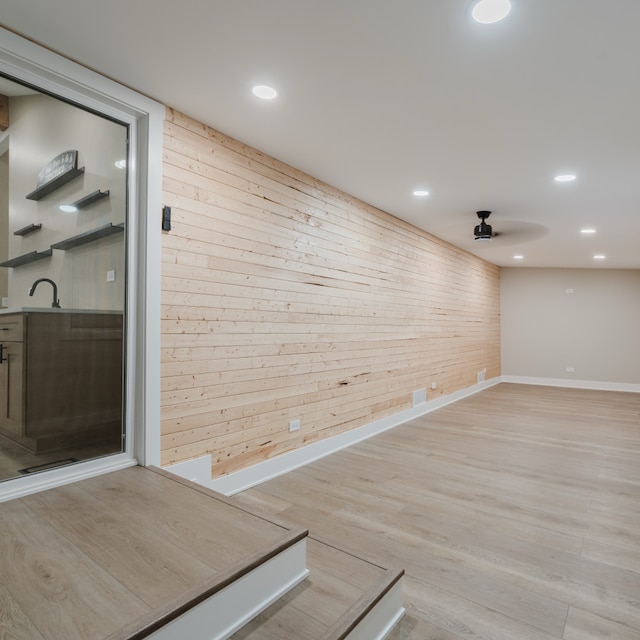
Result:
pixel 381 98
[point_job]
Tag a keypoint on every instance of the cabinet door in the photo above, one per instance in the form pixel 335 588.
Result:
pixel 12 396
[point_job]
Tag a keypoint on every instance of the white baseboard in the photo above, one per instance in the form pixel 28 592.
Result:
pixel 269 469
pixel 199 470
pixel 575 384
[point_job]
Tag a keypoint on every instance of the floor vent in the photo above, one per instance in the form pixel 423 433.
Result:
pixel 419 397
pixel 48 465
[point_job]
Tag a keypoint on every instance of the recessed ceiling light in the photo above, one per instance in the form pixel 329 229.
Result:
pixel 587 231
pixel 490 11
pixel 518 257
pixel 568 177
pixel 421 193
pixel 264 92
pixel 599 256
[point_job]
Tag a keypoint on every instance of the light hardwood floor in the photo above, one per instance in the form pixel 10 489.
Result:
pixel 515 513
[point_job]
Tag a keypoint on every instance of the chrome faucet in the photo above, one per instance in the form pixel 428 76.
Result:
pixel 56 303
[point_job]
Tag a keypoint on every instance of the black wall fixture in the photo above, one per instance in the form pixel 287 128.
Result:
pixel 166 218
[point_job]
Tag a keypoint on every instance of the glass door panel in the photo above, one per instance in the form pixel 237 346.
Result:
pixel 63 218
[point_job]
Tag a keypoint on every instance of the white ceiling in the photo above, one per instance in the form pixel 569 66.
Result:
pixel 379 98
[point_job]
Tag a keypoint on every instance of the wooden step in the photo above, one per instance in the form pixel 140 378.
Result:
pixel 374 615
pixel 139 553
pixel 344 598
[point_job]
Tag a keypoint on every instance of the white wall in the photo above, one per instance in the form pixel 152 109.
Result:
pixel 41 127
pixel 595 328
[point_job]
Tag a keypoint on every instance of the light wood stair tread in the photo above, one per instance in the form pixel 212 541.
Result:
pixel 117 555
pixel 338 594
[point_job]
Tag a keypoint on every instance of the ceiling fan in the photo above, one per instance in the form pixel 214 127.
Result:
pixel 511 231
pixel 483 232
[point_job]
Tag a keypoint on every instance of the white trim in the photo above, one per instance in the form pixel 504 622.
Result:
pixel 149 251
pixel 596 385
pixel 41 68
pixel 23 486
pixel 221 615
pixel 269 469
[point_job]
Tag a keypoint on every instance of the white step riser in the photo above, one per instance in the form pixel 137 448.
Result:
pixel 230 609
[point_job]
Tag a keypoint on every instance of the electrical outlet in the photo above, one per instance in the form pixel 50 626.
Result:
pixel 5 302
pixel 294 425
pixel 570 370
pixel 111 275
pixel 434 385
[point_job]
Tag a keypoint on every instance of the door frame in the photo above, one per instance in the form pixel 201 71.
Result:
pixel 39 67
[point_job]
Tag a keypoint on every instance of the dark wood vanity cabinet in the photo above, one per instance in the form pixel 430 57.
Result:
pixel 12 387
pixel 61 378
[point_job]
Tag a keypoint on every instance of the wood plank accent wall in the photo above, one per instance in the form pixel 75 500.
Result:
pixel 284 298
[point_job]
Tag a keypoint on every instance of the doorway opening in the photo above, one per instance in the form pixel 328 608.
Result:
pixel 63 274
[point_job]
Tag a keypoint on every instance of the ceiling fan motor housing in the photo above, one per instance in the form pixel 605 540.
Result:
pixel 483 231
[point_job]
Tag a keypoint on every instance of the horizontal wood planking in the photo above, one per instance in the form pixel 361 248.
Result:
pixel 284 298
